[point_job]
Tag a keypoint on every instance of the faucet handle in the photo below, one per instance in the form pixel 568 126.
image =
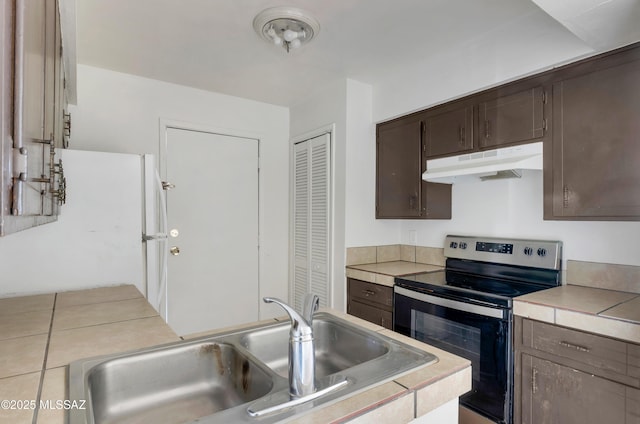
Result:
pixel 310 306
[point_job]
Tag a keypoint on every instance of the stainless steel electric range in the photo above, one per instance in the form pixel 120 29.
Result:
pixel 466 309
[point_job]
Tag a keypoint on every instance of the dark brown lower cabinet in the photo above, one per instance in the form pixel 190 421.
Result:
pixel 553 393
pixel 569 376
pixel 371 302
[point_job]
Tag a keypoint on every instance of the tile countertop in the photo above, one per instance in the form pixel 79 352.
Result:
pixel 385 272
pixel 606 312
pixel 40 335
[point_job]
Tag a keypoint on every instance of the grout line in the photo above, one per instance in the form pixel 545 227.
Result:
pixel 97 302
pixel 44 363
pixel 106 323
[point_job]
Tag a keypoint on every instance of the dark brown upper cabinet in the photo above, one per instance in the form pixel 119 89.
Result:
pixel 592 167
pixel 511 119
pixel 449 130
pixel 400 162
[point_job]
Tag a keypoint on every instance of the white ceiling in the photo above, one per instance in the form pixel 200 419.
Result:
pixel 211 44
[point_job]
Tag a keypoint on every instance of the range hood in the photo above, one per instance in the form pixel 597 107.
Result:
pixel 506 162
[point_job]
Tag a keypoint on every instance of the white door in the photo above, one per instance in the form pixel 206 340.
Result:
pixel 311 220
pixel 213 220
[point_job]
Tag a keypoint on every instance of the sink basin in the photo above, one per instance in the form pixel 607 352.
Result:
pixel 174 385
pixel 234 376
pixel 337 347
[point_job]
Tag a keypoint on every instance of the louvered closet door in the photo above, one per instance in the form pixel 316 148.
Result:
pixel 311 204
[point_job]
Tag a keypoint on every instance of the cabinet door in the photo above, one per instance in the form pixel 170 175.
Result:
pixel 399 157
pixel 552 393
pixel 595 149
pixel 449 131
pixel 400 190
pixel 513 119
pixel 29 123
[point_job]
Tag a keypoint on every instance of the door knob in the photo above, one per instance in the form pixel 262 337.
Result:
pixel 175 250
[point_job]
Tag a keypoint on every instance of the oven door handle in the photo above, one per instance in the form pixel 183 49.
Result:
pixel 453 304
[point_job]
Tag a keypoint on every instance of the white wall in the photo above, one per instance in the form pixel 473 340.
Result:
pixel 500 54
pixel 513 208
pixel 120 113
pixel 96 239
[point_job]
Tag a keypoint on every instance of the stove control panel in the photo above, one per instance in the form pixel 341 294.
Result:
pixel 533 253
pixel 506 248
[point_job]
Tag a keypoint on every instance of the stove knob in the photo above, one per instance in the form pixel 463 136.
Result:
pixel 528 251
pixel 463 245
pixel 453 245
pixel 542 252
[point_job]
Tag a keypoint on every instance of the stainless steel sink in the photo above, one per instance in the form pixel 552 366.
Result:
pixel 337 347
pixel 174 384
pixel 219 379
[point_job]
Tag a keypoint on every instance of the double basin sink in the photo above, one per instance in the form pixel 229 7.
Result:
pixel 224 378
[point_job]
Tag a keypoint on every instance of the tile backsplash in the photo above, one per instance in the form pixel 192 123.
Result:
pixel 589 274
pixel 604 276
pixel 395 252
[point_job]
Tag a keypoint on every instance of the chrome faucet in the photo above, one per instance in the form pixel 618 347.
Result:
pixel 302 364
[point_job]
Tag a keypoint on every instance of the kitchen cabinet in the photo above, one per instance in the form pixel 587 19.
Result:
pixel 591 164
pixel 32 182
pixel 371 302
pixel 512 119
pixel 509 115
pixel 400 162
pixel 570 376
pixel 449 130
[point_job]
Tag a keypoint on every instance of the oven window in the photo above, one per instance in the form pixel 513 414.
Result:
pixel 457 338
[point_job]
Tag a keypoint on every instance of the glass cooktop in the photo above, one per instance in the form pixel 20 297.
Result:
pixel 454 284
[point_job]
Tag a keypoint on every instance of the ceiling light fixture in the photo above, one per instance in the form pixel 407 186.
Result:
pixel 287 27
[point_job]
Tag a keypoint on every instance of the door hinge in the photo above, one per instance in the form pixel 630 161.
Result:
pixel 544 124
pixel 544 97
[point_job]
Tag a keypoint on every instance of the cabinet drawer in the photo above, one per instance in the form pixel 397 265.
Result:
pixel 371 293
pixel 597 351
pixel 371 314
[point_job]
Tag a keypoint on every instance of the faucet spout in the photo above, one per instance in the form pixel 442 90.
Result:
pixel 302 364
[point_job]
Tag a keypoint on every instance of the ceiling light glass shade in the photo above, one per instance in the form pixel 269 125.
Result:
pixel 286 26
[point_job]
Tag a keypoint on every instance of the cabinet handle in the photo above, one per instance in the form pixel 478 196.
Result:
pixel 382 321
pixel 565 196
pixel 574 346
pixel 461 135
pixel 368 292
pixel 534 382
pixel 486 129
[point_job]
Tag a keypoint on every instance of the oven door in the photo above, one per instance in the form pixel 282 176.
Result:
pixel 479 333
